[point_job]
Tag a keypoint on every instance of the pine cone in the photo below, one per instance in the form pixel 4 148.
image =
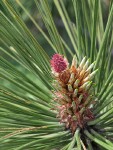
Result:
pixel 73 95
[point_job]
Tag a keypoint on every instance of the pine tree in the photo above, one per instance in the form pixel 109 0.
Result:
pixel 65 100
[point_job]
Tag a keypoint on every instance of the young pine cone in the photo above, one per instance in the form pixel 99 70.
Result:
pixel 73 95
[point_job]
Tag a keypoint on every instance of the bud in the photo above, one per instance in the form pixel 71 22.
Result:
pixel 75 93
pixel 75 99
pixel 86 65
pixel 73 105
pixel 90 76
pixel 88 100
pixel 58 63
pixel 88 85
pixel 73 62
pixel 82 63
pixel 82 110
pixel 70 88
pixel 83 87
pixel 93 74
pixel 90 67
pixel 72 78
pixel 80 98
pixel 76 83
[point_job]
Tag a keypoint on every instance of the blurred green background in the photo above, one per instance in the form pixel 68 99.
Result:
pixel 32 9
